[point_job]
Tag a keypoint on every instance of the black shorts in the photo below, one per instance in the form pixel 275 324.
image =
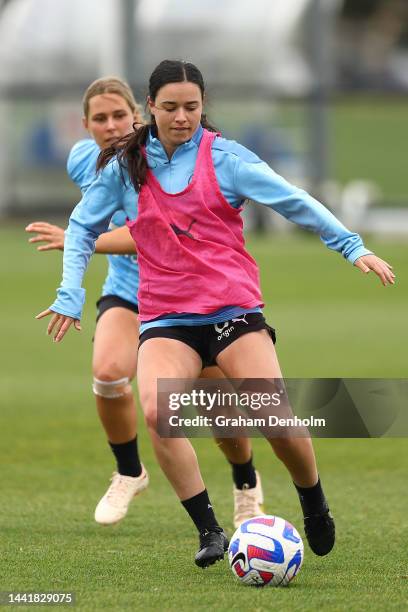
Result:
pixel 113 301
pixel 209 340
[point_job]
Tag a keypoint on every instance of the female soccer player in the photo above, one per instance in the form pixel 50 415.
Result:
pixel 110 109
pixel 195 276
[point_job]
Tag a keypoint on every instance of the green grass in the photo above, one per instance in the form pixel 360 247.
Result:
pixel 364 136
pixel 366 143
pixel 331 321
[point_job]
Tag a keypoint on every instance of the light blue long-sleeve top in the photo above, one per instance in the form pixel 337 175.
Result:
pixel 123 272
pixel 241 175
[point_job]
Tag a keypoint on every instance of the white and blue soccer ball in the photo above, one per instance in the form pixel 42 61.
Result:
pixel 265 551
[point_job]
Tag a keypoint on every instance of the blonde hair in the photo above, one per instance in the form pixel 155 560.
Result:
pixel 116 86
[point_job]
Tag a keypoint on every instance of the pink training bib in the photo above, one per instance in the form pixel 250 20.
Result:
pixel 190 245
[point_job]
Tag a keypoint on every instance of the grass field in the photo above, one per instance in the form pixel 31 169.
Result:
pixel 365 142
pixel 331 321
pixel 363 133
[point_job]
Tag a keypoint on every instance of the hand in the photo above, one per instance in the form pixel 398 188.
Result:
pixel 60 322
pixel 383 270
pixel 52 234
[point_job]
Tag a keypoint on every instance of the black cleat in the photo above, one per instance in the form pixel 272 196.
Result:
pixel 213 545
pixel 320 532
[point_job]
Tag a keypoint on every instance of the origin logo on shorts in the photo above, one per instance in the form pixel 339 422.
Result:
pixel 225 329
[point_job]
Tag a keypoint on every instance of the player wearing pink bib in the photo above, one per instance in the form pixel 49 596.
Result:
pixel 196 277
pixel 197 235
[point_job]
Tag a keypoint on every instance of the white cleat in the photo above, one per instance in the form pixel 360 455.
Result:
pixel 115 503
pixel 248 502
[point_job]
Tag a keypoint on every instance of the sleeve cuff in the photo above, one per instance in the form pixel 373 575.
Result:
pixel 356 253
pixel 69 302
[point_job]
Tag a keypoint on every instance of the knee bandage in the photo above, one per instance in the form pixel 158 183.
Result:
pixel 111 389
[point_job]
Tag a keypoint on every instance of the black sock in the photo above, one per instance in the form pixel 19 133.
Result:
pixel 312 499
pixel 127 458
pixel 244 474
pixel 201 512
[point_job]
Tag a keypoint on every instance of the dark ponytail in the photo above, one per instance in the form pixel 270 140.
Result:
pixel 128 151
pixel 129 148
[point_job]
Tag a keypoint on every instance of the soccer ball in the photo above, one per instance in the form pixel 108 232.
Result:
pixel 265 550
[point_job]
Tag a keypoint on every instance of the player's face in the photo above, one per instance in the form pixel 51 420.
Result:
pixel 109 118
pixel 177 110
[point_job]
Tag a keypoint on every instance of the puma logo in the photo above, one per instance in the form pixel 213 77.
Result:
pixel 241 319
pixel 181 232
